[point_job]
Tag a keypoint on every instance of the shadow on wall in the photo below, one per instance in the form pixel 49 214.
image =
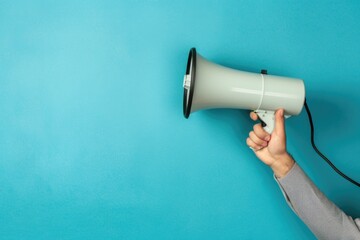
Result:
pixel 335 115
pixel 332 121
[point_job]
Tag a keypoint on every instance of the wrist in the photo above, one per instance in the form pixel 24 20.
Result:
pixel 282 165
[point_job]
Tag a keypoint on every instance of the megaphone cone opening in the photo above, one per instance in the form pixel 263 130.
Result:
pixel 189 82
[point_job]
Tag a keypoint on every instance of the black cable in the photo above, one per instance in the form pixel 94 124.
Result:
pixel 322 155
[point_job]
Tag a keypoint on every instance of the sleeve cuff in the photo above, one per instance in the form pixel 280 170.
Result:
pixel 290 177
pixel 293 172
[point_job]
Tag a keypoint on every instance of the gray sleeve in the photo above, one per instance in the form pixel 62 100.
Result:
pixel 322 216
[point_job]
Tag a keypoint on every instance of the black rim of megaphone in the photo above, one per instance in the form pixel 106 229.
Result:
pixel 187 101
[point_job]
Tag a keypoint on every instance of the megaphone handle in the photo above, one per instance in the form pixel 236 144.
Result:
pixel 267 119
pixel 269 129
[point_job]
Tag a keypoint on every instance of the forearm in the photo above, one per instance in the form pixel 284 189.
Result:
pixel 322 216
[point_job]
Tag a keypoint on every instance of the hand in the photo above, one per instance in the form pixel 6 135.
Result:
pixel 271 149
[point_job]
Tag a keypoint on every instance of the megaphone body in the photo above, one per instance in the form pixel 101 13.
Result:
pixel 210 85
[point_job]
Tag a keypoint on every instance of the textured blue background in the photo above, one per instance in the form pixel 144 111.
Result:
pixel 93 143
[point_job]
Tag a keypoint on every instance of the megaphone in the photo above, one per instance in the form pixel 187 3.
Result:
pixel 210 85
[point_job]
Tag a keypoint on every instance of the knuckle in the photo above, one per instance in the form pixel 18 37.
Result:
pixel 257 127
pixel 248 142
pixel 251 133
pixel 259 130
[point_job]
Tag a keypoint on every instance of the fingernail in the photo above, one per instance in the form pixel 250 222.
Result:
pixel 267 138
pixel 282 112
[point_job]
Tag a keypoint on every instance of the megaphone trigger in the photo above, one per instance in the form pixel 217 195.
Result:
pixel 263 124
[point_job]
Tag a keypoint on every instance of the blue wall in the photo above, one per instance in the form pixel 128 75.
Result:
pixel 93 143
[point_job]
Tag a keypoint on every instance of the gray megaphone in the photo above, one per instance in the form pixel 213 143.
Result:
pixel 209 85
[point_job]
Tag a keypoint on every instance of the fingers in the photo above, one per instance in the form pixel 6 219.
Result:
pixel 279 122
pixel 253 116
pixel 258 138
pixel 253 145
pixel 261 133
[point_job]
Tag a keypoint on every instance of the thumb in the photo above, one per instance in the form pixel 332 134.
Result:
pixel 279 122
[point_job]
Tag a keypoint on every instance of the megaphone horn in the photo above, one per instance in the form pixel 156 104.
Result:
pixel 210 85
